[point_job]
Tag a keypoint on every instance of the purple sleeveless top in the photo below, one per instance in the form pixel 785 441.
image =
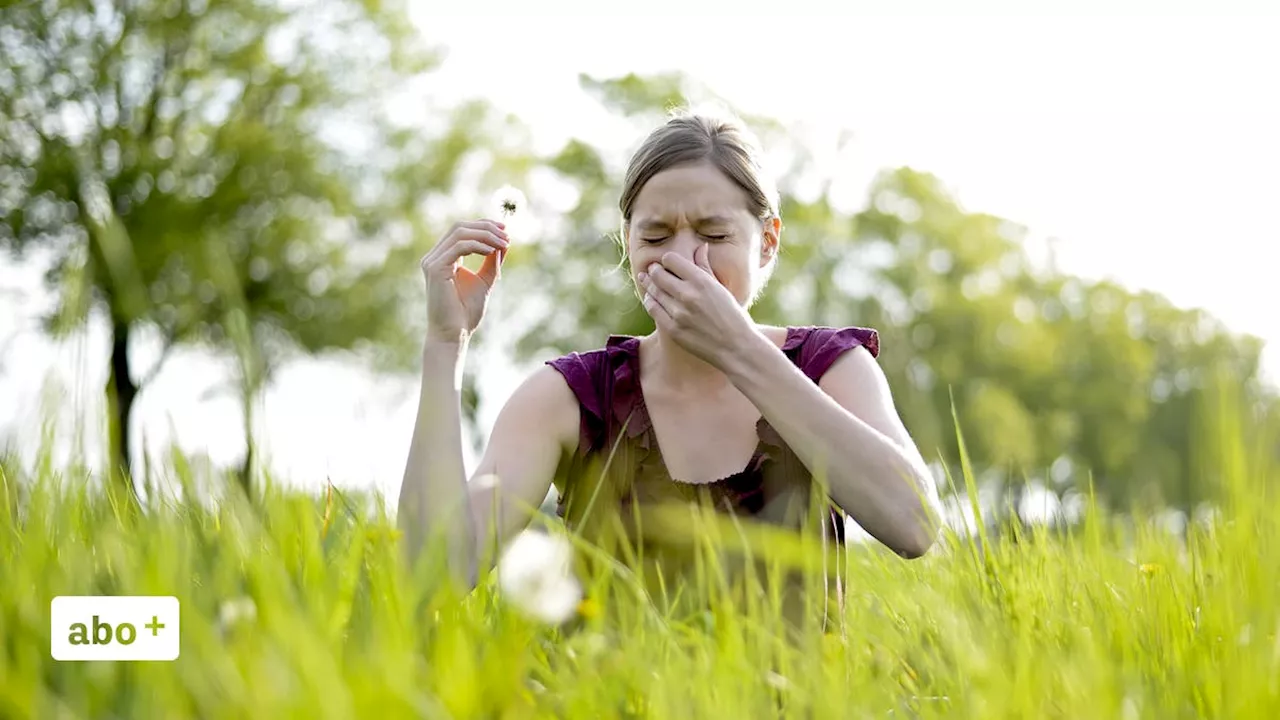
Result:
pixel 616 432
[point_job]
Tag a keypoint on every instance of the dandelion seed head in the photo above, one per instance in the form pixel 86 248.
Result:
pixel 535 572
pixel 513 211
pixel 509 200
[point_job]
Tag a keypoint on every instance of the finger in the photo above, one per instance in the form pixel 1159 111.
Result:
pixel 665 300
pixel 495 236
pixel 446 259
pixel 679 265
pixel 665 281
pixel 660 316
pixel 702 257
pixel 483 224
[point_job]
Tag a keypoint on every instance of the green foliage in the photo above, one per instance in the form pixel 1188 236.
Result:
pixel 197 131
pixel 632 94
pixel 1045 368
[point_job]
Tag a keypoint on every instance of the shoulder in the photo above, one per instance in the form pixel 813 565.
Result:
pixel 590 373
pixel 816 348
pixel 816 337
pixel 598 380
pixel 547 399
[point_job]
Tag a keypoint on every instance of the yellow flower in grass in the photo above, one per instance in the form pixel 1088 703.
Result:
pixel 589 609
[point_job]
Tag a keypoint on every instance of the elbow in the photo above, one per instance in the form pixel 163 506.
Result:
pixel 908 521
pixel 916 547
pixel 909 539
pixel 921 532
pixel 922 516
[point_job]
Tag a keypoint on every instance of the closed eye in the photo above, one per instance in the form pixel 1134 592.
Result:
pixel 709 237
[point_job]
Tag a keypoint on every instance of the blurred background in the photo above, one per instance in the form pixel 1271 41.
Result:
pixel 213 215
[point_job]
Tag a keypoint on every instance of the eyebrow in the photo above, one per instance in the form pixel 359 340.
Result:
pixel 655 224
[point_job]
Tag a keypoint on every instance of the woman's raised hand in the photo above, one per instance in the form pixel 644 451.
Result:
pixel 456 297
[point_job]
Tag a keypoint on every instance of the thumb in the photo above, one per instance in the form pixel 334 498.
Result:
pixel 491 268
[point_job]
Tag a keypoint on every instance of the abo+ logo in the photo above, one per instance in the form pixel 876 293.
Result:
pixel 104 627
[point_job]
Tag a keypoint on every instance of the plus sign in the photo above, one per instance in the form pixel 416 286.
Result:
pixel 154 626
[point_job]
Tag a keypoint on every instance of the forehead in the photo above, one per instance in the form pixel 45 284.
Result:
pixel 694 193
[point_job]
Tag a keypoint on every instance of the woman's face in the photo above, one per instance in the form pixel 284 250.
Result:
pixel 683 207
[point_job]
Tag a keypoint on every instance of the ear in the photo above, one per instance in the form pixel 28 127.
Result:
pixel 770 240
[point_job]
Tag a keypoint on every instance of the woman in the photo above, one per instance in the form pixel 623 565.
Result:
pixel 711 407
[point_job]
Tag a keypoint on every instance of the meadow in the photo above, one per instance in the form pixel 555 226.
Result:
pixel 298 605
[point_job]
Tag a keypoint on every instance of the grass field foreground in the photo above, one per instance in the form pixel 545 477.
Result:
pixel 297 605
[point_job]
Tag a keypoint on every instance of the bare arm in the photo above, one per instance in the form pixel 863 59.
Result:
pixel 533 430
pixel 434 485
pixel 847 427
pixel 436 502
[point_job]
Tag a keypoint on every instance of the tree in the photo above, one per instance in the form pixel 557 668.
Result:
pixel 226 174
pixel 1054 377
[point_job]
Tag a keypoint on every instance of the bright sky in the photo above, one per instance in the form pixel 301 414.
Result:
pixel 1148 146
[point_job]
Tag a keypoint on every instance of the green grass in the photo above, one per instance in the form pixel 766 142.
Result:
pixel 1116 618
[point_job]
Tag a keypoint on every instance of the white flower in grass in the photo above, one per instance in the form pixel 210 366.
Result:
pixel 235 611
pixel 536 573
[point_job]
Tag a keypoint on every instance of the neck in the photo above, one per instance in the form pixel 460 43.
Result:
pixel 677 368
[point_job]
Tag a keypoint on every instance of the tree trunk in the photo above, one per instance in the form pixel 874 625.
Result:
pixel 121 392
pixel 246 469
pixel 248 391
